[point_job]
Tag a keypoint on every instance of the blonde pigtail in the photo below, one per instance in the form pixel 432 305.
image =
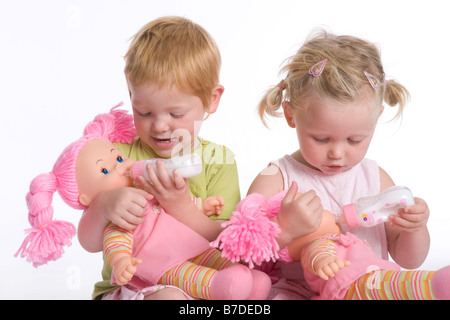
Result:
pixel 396 94
pixel 271 102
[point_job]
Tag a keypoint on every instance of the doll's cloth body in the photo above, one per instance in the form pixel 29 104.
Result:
pixel 347 247
pixel 162 242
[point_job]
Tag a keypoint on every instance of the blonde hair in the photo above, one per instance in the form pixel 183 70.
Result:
pixel 174 51
pixel 342 79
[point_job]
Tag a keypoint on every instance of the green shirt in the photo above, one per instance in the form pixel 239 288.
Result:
pixel 219 177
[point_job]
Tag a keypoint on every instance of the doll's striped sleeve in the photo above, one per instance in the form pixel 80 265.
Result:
pixel 314 249
pixel 117 240
pixel 197 202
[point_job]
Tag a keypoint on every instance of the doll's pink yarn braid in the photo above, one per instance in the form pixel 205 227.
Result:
pixel 250 235
pixel 46 238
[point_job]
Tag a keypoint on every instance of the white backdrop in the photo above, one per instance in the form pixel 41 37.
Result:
pixel 61 63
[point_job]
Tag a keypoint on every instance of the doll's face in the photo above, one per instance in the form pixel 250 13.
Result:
pixel 327 225
pixel 101 167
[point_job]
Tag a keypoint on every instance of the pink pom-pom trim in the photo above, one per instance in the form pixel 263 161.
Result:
pixel 250 235
pixel 46 243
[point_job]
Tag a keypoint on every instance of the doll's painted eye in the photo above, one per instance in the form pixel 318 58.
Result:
pixel 105 171
pixel 119 159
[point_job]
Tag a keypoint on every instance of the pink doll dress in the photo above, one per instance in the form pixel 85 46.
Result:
pixel 363 260
pixel 162 242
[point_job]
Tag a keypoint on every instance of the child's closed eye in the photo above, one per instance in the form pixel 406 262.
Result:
pixel 321 139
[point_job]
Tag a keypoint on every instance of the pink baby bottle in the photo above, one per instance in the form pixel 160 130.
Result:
pixel 370 211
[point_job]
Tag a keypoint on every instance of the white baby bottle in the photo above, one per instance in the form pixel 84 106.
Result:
pixel 188 165
pixel 370 211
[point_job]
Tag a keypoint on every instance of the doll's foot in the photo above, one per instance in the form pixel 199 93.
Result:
pixel 441 283
pixel 261 285
pixel 232 283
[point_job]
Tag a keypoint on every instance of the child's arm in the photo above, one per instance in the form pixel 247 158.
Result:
pixel 118 248
pixel 124 207
pixel 319 258
pixel 407 234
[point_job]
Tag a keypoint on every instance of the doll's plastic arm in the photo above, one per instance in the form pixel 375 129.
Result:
pixel 213 205
pixel 315 251
pixel 116 240
pixel 327 265
pixel 124 267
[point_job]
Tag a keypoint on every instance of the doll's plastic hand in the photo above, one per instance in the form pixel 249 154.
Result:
pixel 124 207
pixel 299 215
pixel 411 218
pixel 124 267
pixel 327 265
pixel 172 194
pixel 213 205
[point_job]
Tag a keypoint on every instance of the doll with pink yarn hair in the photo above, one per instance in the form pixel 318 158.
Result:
pixel 336 265
pixel 162 250
pixel 46 238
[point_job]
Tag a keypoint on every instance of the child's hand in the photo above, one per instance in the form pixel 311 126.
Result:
pixel 327 265
pixel 172 194
pixel 411 218
pixel 124 267
pixel 407 235
pixel 124 207
pixel 213 205
pixel 299 216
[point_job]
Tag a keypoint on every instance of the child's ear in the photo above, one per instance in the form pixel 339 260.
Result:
pixel 289 114
pixel 381 111
pixel 215 98
pixel 84 200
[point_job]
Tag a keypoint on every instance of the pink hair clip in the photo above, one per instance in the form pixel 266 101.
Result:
pixel 282 85
pixel 374 81
pixel 317 69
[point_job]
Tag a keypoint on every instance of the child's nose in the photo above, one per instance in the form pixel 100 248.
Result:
pixel 336 152
pixel 160 125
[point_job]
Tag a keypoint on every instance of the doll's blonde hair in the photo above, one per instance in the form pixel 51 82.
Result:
pixel 174 51
pixel 348 60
